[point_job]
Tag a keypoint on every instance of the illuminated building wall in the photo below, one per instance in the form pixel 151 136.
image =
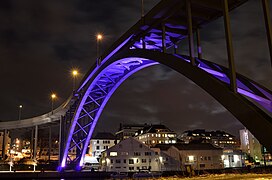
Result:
pixel 233 159
pixel 217 138
pixel 250 145
pixel 200 156
pixel 99 143
pixel 7 143
pixel 130 155
pixel 128 130
pixel 156 134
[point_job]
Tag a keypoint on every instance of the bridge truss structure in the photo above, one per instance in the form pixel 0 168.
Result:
pixel 153 40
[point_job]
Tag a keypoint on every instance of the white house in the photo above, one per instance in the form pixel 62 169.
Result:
pixel 199 156
pixel 130 155
pixel 99 143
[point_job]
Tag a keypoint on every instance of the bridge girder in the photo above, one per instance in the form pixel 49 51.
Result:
pixel 129 62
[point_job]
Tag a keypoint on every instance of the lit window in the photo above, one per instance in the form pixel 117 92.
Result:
pixel 130 161
pixel 113 153
pixel 191 158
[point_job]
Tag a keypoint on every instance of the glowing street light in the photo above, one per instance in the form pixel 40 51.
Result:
pixel 74 74
pixel 53 97
pixel 99 37
pixel 20 111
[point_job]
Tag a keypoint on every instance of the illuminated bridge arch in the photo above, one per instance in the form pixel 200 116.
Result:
pixel 213 78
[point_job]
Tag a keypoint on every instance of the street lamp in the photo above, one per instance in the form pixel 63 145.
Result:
pixel 74 74
pixel 53 97
pixel 98 42
pixel 20 111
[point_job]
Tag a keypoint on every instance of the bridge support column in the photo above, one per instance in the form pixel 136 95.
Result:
pixel 163 38
pixel 190 31
pixel 49 143
pixel 61 137
pixel 199 49
pixel 232 72
pixel 4 144
pixel 35 143
pixel 267 20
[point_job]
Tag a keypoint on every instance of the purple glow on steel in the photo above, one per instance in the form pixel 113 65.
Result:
pixel 213 72
pixel 106 100
pixel 267 94
pixel 179 56
pixel 103 61
pixel 253 96
pixel 199 49
pixel 242 86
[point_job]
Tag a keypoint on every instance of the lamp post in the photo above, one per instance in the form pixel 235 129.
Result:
pixel 74 74
pixel 98 42
pixel 20 111
pixel 53 97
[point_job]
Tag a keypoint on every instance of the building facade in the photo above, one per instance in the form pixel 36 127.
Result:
pixel 127 130
pixel 201 156
pixel 130 155
pixel 233 158
pixel 156 134
pixel 99 143
pixel 250 145
pixel 5 142
pixel 217 138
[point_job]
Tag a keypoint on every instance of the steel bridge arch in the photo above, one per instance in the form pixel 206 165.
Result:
pixel 106 78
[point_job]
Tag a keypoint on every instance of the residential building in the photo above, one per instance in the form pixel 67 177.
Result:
pixel 250 145
pixel 156 134
pixel 99 143
pixel 5 141
pixel 200 156
pixel 130 155
pixel 233 158
pixel 127 130
pixel 217 138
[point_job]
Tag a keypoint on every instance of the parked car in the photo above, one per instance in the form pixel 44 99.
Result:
pixel 146 174
pixel 119 175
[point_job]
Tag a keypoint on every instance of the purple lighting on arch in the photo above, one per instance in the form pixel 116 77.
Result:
pixel 253 96
pixel 104 60
pixel 151 63
pixel 124 68
pixel 110 78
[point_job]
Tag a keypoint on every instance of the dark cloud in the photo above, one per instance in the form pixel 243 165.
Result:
pixel 40 41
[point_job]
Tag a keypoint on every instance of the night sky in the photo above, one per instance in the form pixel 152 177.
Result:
pixel 41 41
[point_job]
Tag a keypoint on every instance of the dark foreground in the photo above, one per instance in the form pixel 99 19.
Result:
pixel 228 174
pixel 54 175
